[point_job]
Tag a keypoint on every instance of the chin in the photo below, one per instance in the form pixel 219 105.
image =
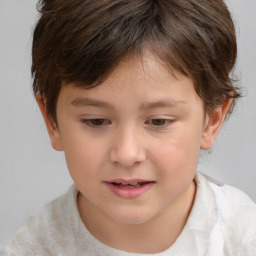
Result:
pixel 130 221
pixel 134 218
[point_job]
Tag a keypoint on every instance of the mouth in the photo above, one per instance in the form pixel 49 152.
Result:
pixel 129 189
pixel 130 184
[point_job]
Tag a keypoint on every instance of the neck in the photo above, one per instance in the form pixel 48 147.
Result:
pixel 154 236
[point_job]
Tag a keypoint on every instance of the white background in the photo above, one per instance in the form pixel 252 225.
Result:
pixel 32 173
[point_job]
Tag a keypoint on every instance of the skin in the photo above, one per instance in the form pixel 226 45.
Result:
pixel 135 138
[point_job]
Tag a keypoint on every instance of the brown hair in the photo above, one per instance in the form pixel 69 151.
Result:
pixel 83 41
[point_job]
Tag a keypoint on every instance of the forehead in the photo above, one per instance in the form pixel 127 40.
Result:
pixel 144 81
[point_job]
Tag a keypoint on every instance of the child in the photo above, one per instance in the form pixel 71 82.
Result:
pixel 131 91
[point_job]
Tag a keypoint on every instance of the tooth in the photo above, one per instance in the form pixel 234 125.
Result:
pixel 133 184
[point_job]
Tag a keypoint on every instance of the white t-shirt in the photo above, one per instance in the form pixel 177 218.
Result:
pixel 222 223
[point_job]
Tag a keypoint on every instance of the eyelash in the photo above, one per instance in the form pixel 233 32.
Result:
pixel 102 122
pixel 89 122
pixel 166 122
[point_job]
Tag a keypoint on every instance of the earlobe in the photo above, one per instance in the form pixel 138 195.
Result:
pixel 51 126
pixel 213 124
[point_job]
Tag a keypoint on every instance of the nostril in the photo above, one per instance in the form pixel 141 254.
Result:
pixel 127 157
pixel 129 165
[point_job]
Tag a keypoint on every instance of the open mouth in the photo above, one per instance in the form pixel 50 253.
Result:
pixel 130 185
pixel 129 189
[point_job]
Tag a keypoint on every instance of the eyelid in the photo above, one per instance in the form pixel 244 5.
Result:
pixel 88 122
pixel 168 120
pixel 104 122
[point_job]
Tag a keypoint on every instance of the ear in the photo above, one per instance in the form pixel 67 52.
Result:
pixel 51 126
pixel 213 124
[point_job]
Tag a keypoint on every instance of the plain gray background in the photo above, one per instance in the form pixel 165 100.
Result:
pixel 32 173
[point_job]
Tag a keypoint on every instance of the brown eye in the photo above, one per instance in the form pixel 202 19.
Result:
pixel 95 122
pixel 159 122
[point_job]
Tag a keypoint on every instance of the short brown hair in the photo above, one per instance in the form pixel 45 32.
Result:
pixel 83 41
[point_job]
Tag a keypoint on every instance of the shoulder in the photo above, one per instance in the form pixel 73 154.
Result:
pixel 230 198
pixel 240 223
pixel 236 206
pixel 41 232
pixel 238 213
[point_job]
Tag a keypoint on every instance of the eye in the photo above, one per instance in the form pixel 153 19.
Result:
pixel 95 122
pixel 159 122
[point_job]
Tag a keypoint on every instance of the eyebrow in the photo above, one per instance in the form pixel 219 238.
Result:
pixel 88 102
pixel 167 103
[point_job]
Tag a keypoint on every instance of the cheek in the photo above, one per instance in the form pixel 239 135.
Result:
pixel 83 158
pixel 177 156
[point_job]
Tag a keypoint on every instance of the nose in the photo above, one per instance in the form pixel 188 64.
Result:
pixel 127 149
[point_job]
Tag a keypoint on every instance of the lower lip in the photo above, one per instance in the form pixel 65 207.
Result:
pixel 129 193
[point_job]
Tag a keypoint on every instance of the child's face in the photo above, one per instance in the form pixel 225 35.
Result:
pixel 141 126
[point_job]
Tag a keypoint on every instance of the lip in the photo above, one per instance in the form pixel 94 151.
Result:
pixel 129 192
